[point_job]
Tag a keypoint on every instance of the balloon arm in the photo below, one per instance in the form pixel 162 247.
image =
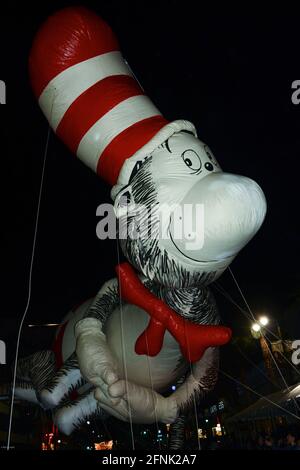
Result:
pixel 94 357
pixel 98 367
pixel 130 402
pixel 122 399
pixel 201 380
pixel 104 302
pixel 148 406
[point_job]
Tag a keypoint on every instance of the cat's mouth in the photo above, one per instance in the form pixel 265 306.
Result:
pixel 197 260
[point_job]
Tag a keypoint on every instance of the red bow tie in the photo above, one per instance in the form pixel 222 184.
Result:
pixel 193 339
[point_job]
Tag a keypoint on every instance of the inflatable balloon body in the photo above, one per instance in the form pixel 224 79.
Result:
pixel 182 220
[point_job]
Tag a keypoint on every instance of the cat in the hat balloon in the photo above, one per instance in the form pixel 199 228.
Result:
pixel 156 324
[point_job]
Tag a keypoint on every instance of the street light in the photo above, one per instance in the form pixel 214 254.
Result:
pixel 256 327
pixel 263 320
pixel 257 331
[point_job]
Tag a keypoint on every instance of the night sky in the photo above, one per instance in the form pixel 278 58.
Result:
pixel 231 75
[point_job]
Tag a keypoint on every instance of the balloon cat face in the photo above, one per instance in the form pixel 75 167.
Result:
pixel 186 219
pixel 182 219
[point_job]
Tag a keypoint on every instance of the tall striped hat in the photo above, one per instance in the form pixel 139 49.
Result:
pixel 90 96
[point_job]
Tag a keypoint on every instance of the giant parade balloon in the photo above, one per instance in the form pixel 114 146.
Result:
pixel 182 221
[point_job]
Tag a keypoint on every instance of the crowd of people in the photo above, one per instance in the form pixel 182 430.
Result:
pixel 287 439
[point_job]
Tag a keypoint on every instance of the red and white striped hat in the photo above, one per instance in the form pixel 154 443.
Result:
pixel 89 95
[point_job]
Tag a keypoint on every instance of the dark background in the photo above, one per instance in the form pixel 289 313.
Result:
pixel 230 73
